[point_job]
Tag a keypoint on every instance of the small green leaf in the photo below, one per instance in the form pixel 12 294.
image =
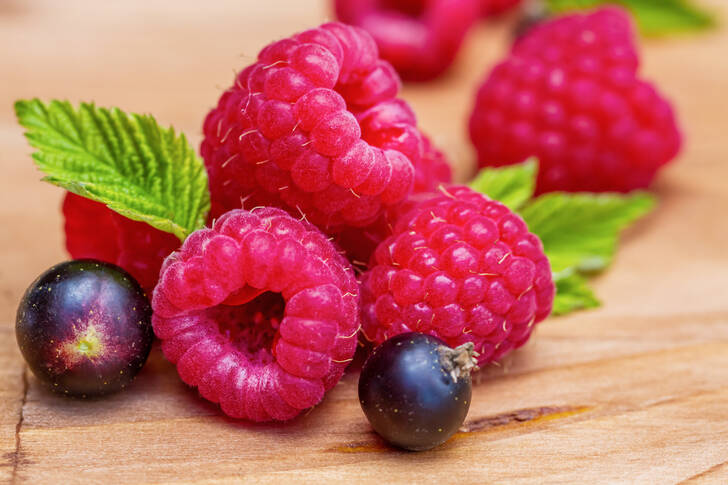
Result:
pixel 580 230
pixel 665 17
pixel 126 161
pixel 512 185
pixel 654 17
pixel 572 293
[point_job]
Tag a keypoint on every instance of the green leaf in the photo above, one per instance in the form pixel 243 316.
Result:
pixel 580 230
pixel 512 185
pixel 572 293
pixel 671 16
pixel 126 161
pixel 654 17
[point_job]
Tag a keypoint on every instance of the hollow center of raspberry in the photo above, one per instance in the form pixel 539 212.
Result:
pixel 411 8
pixel 252 326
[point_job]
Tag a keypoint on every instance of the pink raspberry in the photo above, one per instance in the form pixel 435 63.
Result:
pixel 433 170
pixel 359 242
pixel 95 231
pixel 461 267
pixel 569 94
pixel 260 313
pixel 419 37
pixel 314 127
pixel 496 7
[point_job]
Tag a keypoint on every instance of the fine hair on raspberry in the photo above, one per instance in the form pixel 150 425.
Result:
pixel 461 267
pixel 259 312
pixel 315 127
pixel 359 242
pixel 569 94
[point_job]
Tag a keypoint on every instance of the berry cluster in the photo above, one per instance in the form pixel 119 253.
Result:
pixel 261 311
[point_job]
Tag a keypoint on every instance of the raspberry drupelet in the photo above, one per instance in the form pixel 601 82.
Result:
pixel 569 94
pixel 359 242
pixel 461 267
pixel 95 231
pixel 420 38
pixel 434 169
pixel 314 127
pixel 260 313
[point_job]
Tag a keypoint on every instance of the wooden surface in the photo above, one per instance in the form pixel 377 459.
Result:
pixel 636 391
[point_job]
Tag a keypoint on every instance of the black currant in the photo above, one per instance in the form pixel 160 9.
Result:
pixel 415 390
pixel 84 328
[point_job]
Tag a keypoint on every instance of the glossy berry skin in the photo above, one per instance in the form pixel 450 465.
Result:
pixel 420 38
pixel 314 127
pixel 259 312
pixel 93 231
pixel 569 93
pixel 462 267
pixel 407 395
pixel 84 328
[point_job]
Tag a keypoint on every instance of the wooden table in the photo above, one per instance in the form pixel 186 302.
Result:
pixel 636 391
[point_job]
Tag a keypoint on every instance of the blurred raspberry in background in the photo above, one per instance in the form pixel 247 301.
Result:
pixel 420 38
pixel 496 7
pixel 569 93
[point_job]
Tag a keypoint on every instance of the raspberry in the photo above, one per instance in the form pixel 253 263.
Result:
pixel 95 231
pixel 259 313
pixel 434 169
pixel 359 242
pixel 314 127
pixel 496 7
pixel 569 94
pixel 460 267
pixel 420 38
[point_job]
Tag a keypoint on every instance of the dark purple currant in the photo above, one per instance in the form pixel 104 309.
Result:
pixel 415 390
pixel 84 328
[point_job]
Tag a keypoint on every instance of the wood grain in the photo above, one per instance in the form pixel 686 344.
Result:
pixel 634 392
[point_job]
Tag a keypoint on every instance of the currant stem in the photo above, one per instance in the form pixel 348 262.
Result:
pixel 460 361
